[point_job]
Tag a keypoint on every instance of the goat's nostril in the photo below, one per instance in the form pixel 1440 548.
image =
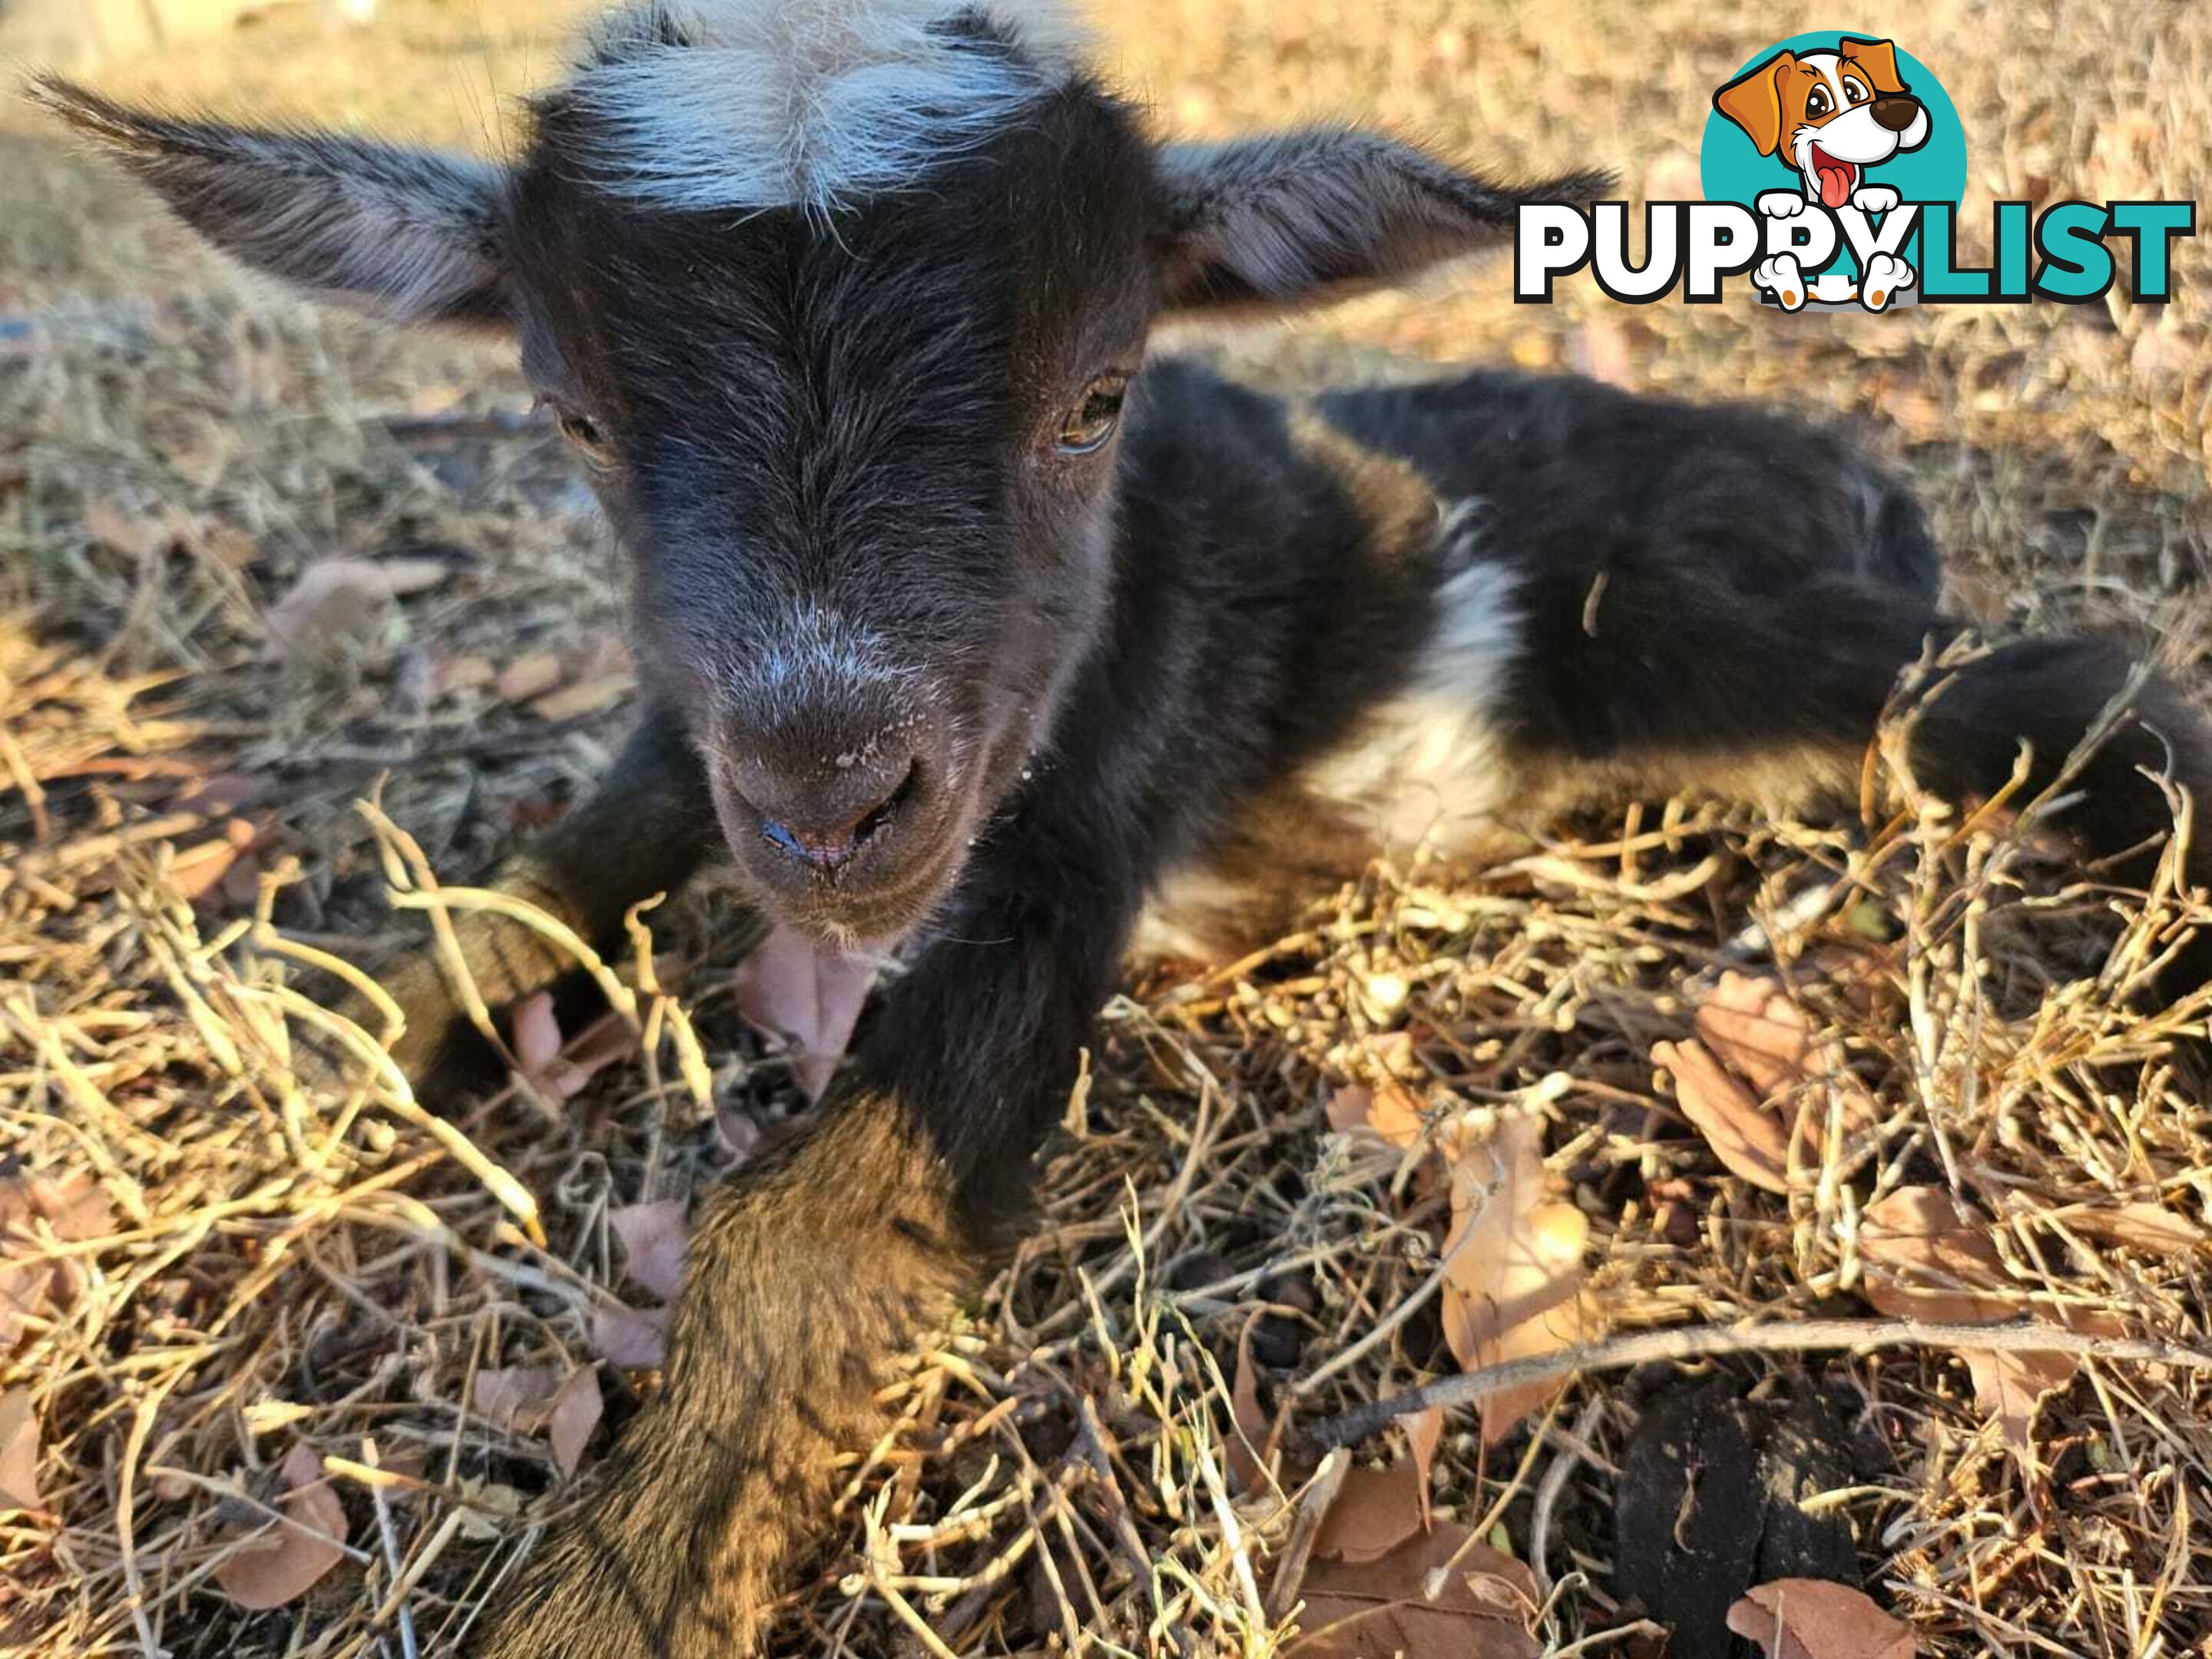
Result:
pixel 829 844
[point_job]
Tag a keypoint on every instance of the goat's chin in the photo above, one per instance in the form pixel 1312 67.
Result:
pixel 866 919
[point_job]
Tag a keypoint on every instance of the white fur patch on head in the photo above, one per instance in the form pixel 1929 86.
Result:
pixel 704 105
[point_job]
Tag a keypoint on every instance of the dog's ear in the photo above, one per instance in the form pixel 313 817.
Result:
pixel 1877 57
pixel 1753 100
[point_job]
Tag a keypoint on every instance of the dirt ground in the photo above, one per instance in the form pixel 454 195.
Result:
pixel 245 1269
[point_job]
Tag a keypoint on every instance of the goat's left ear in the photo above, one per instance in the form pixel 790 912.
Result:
pixel 1299 217
pixel 412 233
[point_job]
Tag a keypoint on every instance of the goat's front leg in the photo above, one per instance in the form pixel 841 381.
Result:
pixel 806 1273
pixel 644 830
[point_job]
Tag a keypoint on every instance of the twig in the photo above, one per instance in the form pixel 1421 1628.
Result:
pixel 1703 1341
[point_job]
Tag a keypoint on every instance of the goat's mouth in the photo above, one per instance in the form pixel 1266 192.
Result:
pixel 905 854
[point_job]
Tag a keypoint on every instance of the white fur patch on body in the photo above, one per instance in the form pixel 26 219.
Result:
pixel 746 104
pixel 1428 768
pixel 1425 771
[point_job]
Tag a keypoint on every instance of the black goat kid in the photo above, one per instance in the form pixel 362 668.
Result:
pixel 966 632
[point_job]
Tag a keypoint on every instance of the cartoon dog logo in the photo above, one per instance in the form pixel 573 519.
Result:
pixel 1830 115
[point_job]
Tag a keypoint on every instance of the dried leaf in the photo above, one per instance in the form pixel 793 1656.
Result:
pixel 1748 1139
pixel 1378 1605
pixel 1248 1424
pixel 635 1339
pixel 576 1414
pixel 205 866
pixel 517 1398
pixel 560 1066
pixel 535 1034
pixel 652 1239
pixel 1425 1430
pixel 2151 1228
pixel 462 674
pixel 1375 1512
pixel 342 601
pixel 1513 1260
pixel 18 1452
pixel 1814 1619
pixel 1390 1113
pixel 120 530
pixel 795 989
pixel 280 1564
pixel 1770 1132
pixel 531 675
pixel 591 697
pixel 1925 1259
pixel 1752 1025
pixel 72 1208
pixel 75 1206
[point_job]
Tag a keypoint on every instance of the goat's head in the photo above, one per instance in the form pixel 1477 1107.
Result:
pixel 839 300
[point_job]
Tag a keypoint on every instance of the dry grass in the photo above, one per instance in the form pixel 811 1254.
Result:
pixel 284 1268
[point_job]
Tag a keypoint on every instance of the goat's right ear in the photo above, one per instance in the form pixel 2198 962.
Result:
pixel 412 233
pixel 1299 217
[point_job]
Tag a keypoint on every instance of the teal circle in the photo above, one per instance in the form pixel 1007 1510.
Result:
pixel 1731 169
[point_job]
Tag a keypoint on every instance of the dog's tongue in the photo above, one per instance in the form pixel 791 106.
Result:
pixel 1835 185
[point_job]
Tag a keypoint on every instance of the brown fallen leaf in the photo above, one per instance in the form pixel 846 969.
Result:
pixel 1750 1140
pixel 591 697
pixel 1375 1511
pixel 200 869
pixel 652 1236
pixel 338 602
pixel 517 1398
pixel 1425 1430
pixel 1377 1604
pixel 1814 1619
pixel 72 1208
pixel 558 1065
pixel 1513 1260
pixel 1248 1422
pixel 1390 1113
pixel 793 988
pixel 1768 1131
pixel 19 1451
pixel 280 1563
pixel 1927 1259
pixel 2151 1228
pixel 576 1409
pixel 531 675
pixel 121 530
pixel 453 674
pixel 636 1339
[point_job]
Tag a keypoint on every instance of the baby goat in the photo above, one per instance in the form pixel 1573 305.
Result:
pixel 966 630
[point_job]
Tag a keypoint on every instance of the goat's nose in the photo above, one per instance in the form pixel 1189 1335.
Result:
pixel 825 817
pixel 1896 113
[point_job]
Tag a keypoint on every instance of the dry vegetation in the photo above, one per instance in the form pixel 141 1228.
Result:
pixel 218 1269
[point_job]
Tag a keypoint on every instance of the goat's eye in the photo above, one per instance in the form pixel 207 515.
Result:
pixel 583 431
pixel 1092 421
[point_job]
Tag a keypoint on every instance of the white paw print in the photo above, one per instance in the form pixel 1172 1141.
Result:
pixel 1875 199
pixel 1884 277
pixel 1782 278
pixel 1780 203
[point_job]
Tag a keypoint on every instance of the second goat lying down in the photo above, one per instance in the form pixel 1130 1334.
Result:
pixel 967 631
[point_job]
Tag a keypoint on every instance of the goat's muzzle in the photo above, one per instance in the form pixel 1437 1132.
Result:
pixel 840 835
